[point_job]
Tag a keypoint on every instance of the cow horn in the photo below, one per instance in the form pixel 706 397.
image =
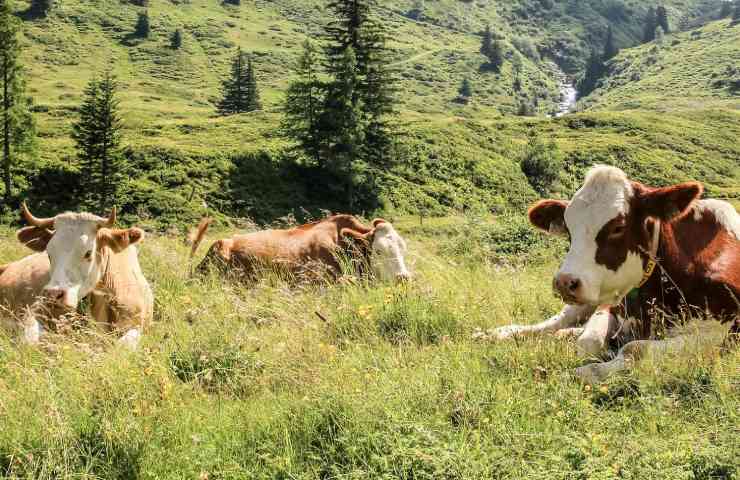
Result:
pixel 36 222
pixel 111 221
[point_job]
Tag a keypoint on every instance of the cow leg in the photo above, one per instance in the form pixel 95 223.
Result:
pixel 596 334
pixel 32 331
pixel 570 316
pixel 131 339
pixel 628 355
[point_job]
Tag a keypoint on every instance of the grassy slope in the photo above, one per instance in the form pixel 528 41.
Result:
pixel 235 383
pixel 688 71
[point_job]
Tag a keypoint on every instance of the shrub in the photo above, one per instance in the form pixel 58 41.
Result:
pixel 526 47
pixel 142 28
pixel 541 163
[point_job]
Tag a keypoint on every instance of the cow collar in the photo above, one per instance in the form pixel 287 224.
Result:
pixel 652 261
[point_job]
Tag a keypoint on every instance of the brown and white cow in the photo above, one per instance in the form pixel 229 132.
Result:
pixel 79 255
pixel 635 250
pixel 296 249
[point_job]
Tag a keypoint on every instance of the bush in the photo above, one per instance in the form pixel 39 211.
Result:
pixel 541 163
pixel 526 47
pixel 142 28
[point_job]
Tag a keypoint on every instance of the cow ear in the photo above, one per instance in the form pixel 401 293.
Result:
pixel 668 203
pixel 378 221
pixel 549 215
pixel 35 238
pixel 119 239
pixel 354 234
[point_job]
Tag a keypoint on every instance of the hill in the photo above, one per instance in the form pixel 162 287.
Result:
pixel 696 69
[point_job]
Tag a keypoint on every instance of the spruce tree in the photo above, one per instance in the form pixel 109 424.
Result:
pixel 235 91
pixel 97 135
pixel 590 78
pixel 661 19
pixel 493 49
pixel 610 49
pixel 651 21
pixel 466 90
pixel 18 129
pixel 302 105
pixel 41 8
pixel 253 94
pixel 736 13
pixel 142 25
pixel 486 47
pixel 176 39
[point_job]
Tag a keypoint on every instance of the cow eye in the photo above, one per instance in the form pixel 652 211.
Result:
pixel 617 231
pixel 88 255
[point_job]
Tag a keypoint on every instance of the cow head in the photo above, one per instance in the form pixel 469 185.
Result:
pixel 76 244
pixel 611 223
pixel 384 248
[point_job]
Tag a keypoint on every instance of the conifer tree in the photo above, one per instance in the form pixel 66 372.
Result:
pixel 486 47
pixel 610 49
pixel 466 89
pixel 590 78
pixel 303 104
pixel 41 8
pixel 253 94
pixel 97 135
pixel 661 19
pixel 18 128
pixel 725 10
pixel 176 39
pixel 493 49
pixel 736 13
pixel 651 21
pixel 235 88
pixel 142 25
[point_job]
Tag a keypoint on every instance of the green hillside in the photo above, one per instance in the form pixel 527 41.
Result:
pixel 697 69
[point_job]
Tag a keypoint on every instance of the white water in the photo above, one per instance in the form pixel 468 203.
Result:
pixel 568 92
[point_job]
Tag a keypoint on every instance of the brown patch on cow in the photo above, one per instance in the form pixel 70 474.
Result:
pixel 667 203
pixel 549 215
pixel 35 238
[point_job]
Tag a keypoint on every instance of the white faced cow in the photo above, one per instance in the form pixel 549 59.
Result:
pixel 635 249
pixel 79 255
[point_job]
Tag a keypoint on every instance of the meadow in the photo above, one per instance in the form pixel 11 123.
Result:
pixel 388 381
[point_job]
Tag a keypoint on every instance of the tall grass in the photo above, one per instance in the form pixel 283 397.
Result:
pixel 239 382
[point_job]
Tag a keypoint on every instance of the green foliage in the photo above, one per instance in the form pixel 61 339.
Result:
pixel 541 163
pixel 591 76
pixel 41 8
pixel 736 13
pixel 466 89
pixel 650 24
pixel 17 137
pixel 240 91
pixel 97 135
pixel 610 49
pixel 176 39
pixel 661 19
pixel 493 49
pixel 142 28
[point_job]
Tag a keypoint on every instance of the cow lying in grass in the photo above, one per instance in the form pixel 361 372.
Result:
pixel 635 251
pixel 298 250
pixel 79 255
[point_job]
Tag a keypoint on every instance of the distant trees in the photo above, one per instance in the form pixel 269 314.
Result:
pixel 651 22
pixel 142 28
pixel 240 91
pixel 465 92
pixel 233 2
pixel 41 8
pixel 342 123
pixel 97 135
pixel 541 162
pixel 176 39
pixel 661 19
pixel 610 48
pixel 18 128
pixel 736 13
pixel 492 49
pixel 725 10
pixel 590 78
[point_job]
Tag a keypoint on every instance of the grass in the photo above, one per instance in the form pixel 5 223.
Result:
pixel 249 383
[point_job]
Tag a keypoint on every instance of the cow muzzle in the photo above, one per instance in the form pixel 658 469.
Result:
pixel 59 297
pixel 569 287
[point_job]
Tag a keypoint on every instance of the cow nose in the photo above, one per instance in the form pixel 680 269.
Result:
pixel 567 285
pixel 55 294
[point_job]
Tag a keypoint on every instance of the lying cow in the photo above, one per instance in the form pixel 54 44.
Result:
pixel 635 250
pixel 79 255
pixel 297 249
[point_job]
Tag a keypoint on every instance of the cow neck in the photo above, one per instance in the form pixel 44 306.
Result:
pixel 106 280
pixel 651 259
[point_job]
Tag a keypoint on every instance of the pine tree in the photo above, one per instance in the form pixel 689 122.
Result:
pixel 18 128
pixel 176 39
pixel 97 134
pixel 726 10
pixel 253 94
pixel 736 13
pixel 493 49
pixel 610 49
pixel 486 47
pixel 466 89
pixel 41 8
pixel 235 90
pixel 651 21
pixel 302 105
pixel 661 15
pixel 142 25
pixel 590 78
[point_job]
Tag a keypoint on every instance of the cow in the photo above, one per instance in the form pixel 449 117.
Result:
pixel 78 255
pixel 636 250
pixel 297 250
